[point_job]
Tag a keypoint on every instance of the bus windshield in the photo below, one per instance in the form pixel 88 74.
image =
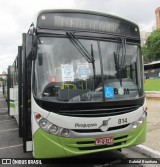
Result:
pixel 63 73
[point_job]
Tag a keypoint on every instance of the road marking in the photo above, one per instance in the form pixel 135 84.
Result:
pixel 2 148
pixel 8 120
pixel 8 130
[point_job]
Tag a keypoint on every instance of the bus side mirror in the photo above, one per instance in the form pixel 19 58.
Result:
pixel 31 47
pixel 40 59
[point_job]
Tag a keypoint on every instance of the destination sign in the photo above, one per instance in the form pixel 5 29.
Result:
pixel 86 22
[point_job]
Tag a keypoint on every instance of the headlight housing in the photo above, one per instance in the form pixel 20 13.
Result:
pixel 42 123
pixel 139 121
pixel 144 114
pixel 135 125
pixel 65 132
pixel 51 128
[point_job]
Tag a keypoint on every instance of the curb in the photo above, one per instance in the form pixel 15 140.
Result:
pixel 147 151
pixel 155 94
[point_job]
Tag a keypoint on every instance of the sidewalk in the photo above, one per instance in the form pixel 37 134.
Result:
pixel 152 145
pixel 153 128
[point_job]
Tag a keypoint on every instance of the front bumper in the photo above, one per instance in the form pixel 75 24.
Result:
pixel 46 145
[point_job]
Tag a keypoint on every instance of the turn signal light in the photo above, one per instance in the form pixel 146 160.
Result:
pixel 38 116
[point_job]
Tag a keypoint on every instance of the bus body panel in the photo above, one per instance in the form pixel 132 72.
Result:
pixel 11 102
pixel 78 122
pixel 36 109
pixel 52 146
pixel 16 103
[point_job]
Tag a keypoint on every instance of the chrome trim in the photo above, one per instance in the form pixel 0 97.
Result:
pixel 74 134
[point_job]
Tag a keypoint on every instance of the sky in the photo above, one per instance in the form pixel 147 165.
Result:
pixel 17 15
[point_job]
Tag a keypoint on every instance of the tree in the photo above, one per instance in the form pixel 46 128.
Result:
pixel 153 46
pixel 1 79
pixel 146 55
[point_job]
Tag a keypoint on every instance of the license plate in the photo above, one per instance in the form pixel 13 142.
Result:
pixel 105 141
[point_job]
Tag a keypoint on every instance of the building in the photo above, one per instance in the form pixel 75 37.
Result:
pixel 157 12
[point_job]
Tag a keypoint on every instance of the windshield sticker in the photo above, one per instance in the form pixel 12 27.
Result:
pixel 83 71
pixel 67 72
pixel 121 91
pixel 109 92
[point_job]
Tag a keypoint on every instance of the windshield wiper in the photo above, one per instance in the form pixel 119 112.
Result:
pixel 89 57
pixel 93 64
pixel 74 40
pixel 120 65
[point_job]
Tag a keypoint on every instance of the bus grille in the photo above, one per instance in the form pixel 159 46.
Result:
pixel 118 141
pixel 100 147
pixel 110 111
pixel 99 130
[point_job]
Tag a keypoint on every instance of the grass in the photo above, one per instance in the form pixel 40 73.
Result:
pixel 152 85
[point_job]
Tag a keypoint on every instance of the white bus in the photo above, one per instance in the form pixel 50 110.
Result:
pixel 78 84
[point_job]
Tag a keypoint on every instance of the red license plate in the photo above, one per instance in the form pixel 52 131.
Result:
pixel 105 141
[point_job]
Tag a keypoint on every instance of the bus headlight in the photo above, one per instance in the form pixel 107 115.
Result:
pixel 144 114
pixel 42 123
pixel 53 129
pixel 65 132
pixel 134 125
pixel 141 119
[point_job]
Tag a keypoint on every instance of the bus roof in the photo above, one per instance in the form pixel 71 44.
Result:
pixel 84 12
pixel 83 20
